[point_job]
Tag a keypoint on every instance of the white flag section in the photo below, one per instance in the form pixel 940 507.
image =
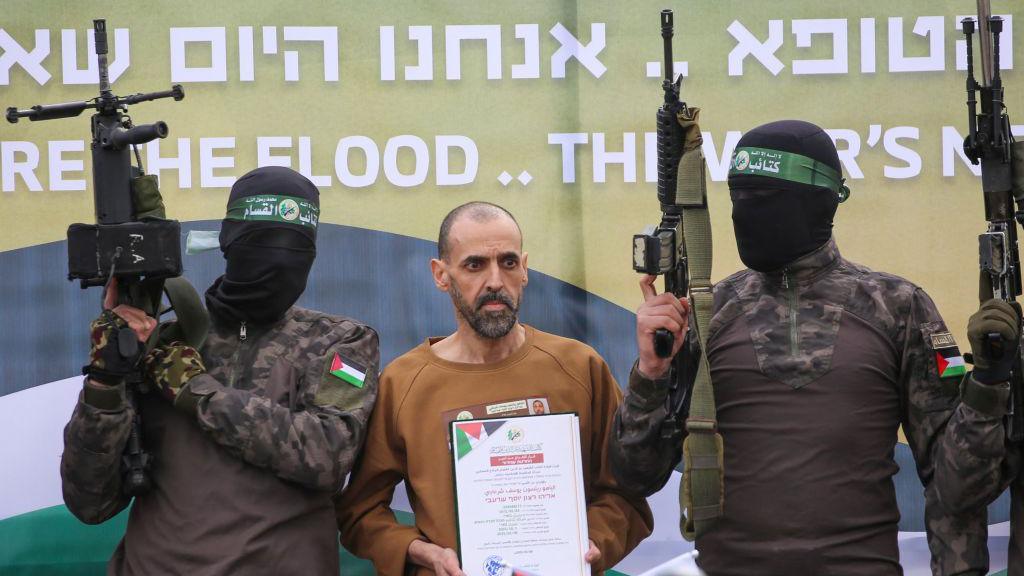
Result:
pixel 520 501
pixel 685 565
pixel 32 423
pixel 32 427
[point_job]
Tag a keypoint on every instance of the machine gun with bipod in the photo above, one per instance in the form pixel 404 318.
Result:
pixel 131 240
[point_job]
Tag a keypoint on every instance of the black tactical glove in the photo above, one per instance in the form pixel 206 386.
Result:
pixel 114 349
pixel 994 356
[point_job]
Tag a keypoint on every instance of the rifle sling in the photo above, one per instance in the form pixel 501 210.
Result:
pixel 701 491
pixel 1017 169
pixel 193 323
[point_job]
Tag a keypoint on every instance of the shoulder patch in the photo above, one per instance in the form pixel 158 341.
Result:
pixel 344 384
pixel 347 371
pixel 948 360
pixel 943 340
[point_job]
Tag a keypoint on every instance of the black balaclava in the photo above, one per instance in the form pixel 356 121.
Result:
pixel 785 182
pixel 268 238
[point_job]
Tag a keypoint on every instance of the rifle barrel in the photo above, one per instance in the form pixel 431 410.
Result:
pixel 985 42
pixel 971 145
pixel 100 37
pixel 666 35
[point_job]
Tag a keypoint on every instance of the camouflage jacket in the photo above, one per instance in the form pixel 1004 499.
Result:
pixel 290 400
pixel 976 463
pixel 791 319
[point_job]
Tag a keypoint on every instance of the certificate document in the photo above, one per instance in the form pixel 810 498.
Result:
pixel 519 498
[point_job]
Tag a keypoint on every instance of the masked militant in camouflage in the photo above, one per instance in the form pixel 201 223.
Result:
pixel 251 436
pixel 815 362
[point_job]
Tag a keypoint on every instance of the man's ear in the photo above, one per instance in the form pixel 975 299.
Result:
pixel 526 279
pixel 439 270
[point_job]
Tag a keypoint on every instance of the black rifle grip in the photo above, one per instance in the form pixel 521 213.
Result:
pixel 136 461
pixel 663 343
pixel 995 345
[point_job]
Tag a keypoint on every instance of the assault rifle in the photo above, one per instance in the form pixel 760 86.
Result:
pixel 660 250
pixel 131 239
pixel 679 248
pixel 990 143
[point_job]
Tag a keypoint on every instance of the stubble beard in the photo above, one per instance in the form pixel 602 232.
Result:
pixel 488 324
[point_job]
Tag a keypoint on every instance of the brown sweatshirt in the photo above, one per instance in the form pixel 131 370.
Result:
pixel 407 440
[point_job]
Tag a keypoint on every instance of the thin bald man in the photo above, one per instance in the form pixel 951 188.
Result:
pixel 492 364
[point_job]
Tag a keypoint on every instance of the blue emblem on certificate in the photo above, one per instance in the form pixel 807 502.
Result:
pixel 493 566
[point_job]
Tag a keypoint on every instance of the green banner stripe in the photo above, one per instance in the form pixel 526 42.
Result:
pixel 275 208
pixel 52 542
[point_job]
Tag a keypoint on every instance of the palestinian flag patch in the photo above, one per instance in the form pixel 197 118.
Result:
pixel 947 356
pixel 348 371
pixel 950 363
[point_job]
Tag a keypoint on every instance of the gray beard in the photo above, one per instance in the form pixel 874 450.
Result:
pixel 492 325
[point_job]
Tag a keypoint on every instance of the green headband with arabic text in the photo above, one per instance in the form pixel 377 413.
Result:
pixel 275 208
pixel 753 161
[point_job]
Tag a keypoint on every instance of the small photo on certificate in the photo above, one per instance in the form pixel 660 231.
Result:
pixel 519 497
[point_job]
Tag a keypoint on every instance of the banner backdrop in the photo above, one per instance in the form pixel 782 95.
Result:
pixel 400 111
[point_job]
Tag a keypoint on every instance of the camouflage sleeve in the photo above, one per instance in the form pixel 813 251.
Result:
pixel 929 378
pixel 618 520
pixel 642 458
pixel 971 470
pixel 313 445
pixel 90 467
pixel 367 525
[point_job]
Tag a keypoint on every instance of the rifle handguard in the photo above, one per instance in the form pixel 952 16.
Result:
pixel 670 150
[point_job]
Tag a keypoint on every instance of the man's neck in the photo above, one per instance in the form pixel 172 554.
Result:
pixel 468 347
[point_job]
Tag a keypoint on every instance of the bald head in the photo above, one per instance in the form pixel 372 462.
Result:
pixel 476 211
